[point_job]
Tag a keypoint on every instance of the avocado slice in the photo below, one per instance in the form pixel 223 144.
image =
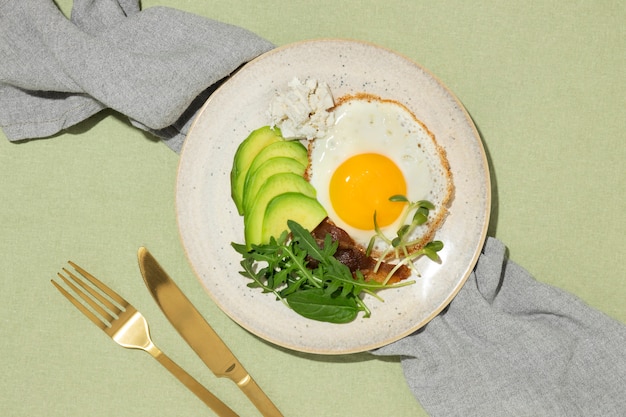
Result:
pixel 245 154
pixel 287 148
pixel 257 177
pixel 277 184
pixel 302 209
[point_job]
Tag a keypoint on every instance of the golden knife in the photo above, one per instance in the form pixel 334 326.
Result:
pixel 199 334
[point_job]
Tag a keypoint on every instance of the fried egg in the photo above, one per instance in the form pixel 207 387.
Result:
pixel 376 149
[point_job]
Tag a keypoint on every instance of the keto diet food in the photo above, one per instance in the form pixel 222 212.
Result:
pixel 338 199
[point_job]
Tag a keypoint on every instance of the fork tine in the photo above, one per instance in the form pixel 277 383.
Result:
pixel 80 306
pixel 105 302
pixel 105 314
pixel 95 281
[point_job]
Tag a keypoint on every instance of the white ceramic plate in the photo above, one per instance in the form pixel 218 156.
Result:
pixel 208 220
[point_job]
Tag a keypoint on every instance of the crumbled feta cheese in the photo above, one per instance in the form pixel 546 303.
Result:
pixel 301 112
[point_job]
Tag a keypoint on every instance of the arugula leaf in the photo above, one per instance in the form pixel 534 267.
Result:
pixel 306 241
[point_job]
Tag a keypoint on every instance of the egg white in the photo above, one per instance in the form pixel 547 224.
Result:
pixel 368 124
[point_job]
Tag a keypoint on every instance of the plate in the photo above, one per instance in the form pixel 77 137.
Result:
pixel 208 221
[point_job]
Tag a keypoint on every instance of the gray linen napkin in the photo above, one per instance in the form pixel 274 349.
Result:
pixel 506 346
pixel 156 66
pixel 509 345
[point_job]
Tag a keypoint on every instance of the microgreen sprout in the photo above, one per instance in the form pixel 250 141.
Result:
pixel 399 245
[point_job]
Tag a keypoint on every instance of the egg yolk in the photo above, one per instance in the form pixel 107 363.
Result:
pixel 362 185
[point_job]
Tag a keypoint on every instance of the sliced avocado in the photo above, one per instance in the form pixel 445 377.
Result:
pixel 302 209
pixel 255 179
pixel 277 184
pixel 286 148
pixel 245 154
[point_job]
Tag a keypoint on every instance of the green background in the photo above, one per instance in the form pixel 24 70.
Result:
pixel 545 84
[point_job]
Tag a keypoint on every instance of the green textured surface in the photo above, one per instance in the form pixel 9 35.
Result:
pixel 543 81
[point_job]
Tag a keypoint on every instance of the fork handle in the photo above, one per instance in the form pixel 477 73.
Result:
pixel 214 403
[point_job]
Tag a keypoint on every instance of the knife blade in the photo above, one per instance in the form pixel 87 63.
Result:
pixel 198 334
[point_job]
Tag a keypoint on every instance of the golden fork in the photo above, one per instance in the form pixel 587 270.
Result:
pixel 127 326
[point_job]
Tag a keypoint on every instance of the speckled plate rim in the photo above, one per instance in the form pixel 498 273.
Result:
pixel 208 221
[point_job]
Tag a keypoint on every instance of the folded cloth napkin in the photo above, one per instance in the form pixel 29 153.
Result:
pixel 156 66
pixel 508 345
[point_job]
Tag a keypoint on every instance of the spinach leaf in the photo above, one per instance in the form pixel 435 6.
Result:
pixel 321 305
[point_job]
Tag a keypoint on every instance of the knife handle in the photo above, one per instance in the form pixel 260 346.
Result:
pixel 214 403
pixel 256 395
